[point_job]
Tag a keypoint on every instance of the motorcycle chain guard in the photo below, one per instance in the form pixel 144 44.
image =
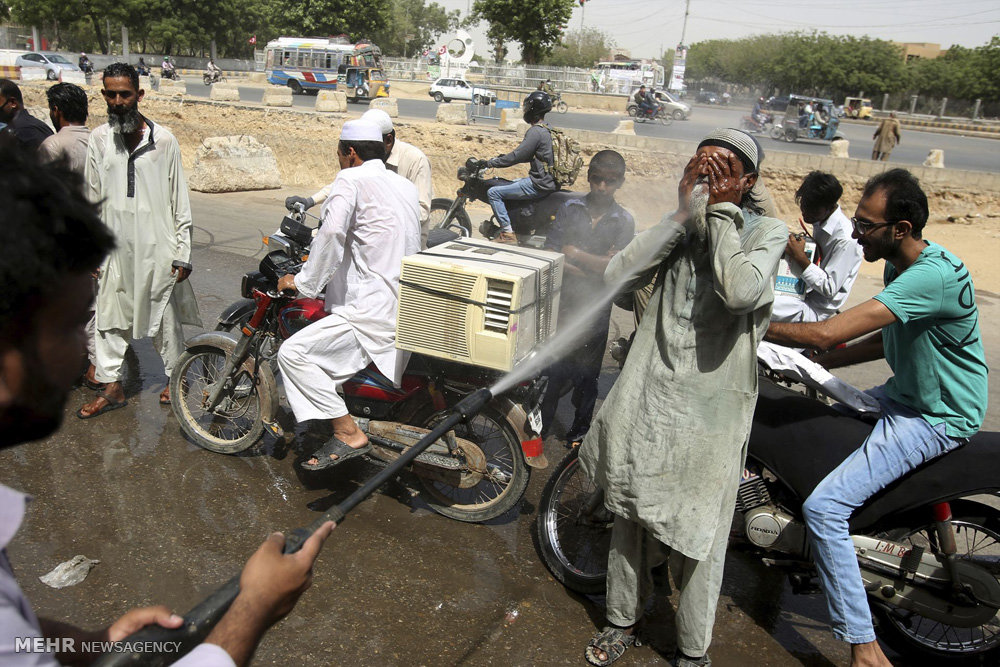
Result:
pixel 391 439
pixel 928 589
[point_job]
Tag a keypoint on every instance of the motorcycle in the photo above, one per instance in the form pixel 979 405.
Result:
pixel 169 73
pixel 225 395
pixel 754 126
pixel 530 220
pixel 208 78
pixel 928 553
pixel 558 104
pixel 643 116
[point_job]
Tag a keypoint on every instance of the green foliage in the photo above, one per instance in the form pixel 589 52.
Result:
pixel 413 26
pixel 535 25
pixel 836 66
pixel 581 49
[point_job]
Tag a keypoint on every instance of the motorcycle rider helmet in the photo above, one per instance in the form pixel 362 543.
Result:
pixel 536 105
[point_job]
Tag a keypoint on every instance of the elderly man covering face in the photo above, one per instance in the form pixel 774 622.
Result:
pixel 669 443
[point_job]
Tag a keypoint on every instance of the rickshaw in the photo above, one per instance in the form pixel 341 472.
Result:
pixel 858 107
pixel 820 125
pixel 362 83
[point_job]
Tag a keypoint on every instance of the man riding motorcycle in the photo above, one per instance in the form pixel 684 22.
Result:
pixel 648 106
pixel 167 68
pixel 85 65
pixel 212 70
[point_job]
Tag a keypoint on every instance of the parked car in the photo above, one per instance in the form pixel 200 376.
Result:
pixel 707 97
pixel 53 63
pixel 677 109
pixel 446 90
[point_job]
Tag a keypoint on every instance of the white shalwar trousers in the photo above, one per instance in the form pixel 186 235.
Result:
pixel 111 345
pixel 315 362
pixel 789 309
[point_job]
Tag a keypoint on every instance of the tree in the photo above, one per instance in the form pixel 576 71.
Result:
pixel 360 19
pixel 414 26
pixel 581 49
pixel 535 25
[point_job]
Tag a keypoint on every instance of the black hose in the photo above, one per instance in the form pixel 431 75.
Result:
pixel 204 616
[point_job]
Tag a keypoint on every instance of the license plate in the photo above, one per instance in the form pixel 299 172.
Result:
pixel 535 420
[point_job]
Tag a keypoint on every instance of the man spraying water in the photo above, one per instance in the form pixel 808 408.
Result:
pixel 676 423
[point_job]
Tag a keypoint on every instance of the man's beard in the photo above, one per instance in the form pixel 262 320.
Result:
pixel 125 121
pixel 698 208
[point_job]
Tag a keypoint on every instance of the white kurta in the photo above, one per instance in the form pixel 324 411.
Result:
pixel 409 162
pixel 371 220
pixel 144 202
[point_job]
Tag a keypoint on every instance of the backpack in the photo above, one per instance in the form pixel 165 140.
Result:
pixel 566 160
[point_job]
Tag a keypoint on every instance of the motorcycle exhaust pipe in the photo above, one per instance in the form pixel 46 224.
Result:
pixel 204 616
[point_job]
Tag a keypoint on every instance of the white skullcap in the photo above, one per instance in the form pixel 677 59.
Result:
pixel 360 130
pixel 379 118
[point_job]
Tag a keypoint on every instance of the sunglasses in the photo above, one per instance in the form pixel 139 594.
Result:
pixel 864 227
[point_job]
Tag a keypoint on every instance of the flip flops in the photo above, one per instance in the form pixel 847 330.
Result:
pixel 338 447
pixel 109 405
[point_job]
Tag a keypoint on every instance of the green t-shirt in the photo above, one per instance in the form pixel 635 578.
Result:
pixel 934 348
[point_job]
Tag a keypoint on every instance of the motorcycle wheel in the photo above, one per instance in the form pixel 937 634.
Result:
pixel 977 534
pixel 573 528
pixel 791 135
pixel 665 119
pixel 562 107
pixel 236 423
pixel 461 220
pixel 776 133
pixel 498 491
pixel 206 79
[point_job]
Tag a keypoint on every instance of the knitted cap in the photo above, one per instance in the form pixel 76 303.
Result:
pixel 745 146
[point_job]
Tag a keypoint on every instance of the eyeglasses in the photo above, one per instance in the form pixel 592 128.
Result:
pixel 865 227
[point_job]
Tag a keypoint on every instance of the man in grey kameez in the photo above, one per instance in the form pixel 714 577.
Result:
pixel 669 443
pixel 134 170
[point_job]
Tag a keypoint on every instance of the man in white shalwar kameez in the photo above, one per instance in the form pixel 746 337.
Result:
pixel 134 171
pixel 371 220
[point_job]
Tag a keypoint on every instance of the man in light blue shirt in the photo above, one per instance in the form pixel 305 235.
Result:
pixel 926 325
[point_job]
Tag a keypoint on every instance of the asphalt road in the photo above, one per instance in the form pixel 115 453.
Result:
pixel 396 584
pixel 960 152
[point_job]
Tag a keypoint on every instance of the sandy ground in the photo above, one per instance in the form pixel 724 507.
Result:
pixel 967 221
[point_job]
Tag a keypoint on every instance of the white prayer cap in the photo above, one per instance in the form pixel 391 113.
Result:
pixel 380 118
pixel 360 130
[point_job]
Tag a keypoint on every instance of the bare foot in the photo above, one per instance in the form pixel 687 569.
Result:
pixel 868 655
pixel 113 392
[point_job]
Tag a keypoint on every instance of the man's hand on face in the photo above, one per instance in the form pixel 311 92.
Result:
pixel 723 184
pixel 795 251
pixel 286 283
pixel 688 178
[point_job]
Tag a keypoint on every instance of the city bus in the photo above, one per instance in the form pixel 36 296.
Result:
pixel 312 63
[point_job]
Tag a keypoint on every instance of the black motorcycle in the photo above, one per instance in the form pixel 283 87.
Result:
pixel 530 220
pixel 929 552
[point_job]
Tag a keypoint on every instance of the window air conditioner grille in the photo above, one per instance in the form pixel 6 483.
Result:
pixel 496 314
pixel 421 312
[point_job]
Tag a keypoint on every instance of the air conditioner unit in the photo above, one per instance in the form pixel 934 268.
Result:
pixel 478 302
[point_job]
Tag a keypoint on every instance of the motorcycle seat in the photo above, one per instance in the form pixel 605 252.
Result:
pixel 787 422
pixel 536 216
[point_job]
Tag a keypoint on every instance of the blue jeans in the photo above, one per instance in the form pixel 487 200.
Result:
pixel 522 188
pixel 901 441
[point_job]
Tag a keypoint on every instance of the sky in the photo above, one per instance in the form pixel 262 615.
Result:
pixel 646 26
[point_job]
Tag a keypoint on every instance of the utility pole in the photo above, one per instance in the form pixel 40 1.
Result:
pixel 579 42
pixel 684 27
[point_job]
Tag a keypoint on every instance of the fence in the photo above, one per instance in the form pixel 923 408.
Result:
pixel 565 79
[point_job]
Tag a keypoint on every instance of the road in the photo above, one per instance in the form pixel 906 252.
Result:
pixel 396 584
pixel 959 152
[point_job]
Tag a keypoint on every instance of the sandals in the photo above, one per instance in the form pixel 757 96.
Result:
pixel 108 406
pixel 342 450
pixel 612 642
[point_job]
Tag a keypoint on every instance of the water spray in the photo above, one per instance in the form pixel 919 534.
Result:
pixel 203 617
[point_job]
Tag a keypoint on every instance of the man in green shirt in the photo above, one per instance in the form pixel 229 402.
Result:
pixel 926 325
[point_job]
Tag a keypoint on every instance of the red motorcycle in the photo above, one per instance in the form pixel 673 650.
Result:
pixel 225 394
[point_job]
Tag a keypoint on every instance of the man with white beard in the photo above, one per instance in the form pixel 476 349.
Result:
pixel 669 443
pixel 134 172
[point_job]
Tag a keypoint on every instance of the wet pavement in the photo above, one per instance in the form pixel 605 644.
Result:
pixel 395 585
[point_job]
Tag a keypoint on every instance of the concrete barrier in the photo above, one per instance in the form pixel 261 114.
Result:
pixel 78 78
pixel 224 93
pixel 935 159
pixel 12 72
pixel 234 164
pixel 168 87
pixel 453 113
pixel 34 74
pixel 277 96
pixel 331 101
pixel 386 104
pixel 625 127
pixel 840 148
pixel 145 83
